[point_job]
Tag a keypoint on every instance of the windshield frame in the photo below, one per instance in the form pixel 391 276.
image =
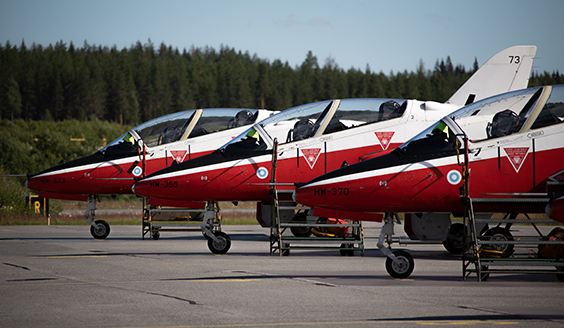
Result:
pixel 192 116
pixel 321 115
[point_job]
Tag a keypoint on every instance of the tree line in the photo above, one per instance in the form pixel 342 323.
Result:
pixel 129 86
pixel 28 147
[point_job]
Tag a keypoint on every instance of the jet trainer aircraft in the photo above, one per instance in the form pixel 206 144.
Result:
pixel 146 148
pixel 321 137
pixel 514 148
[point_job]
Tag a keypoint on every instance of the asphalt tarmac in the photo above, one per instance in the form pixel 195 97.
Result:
pixel 59 276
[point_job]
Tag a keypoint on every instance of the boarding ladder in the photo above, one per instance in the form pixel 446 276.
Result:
pixel 504 253
pixel 283 242
pixel 162 215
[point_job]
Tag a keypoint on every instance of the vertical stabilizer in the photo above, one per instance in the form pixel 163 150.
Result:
pixel 508 70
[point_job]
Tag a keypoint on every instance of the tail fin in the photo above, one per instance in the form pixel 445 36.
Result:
pixel 508 70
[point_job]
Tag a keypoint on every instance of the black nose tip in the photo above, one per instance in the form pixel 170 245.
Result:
pixel 299 184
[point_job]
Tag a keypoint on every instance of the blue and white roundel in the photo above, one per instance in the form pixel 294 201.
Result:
pixel 137 171
pixel 262 173
pixel 454 177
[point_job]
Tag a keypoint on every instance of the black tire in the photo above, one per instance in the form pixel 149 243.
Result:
pixel 101 231
pixel 484 275
pixel 560 276
pixel 455 242
pixel 500 234
pixel 349 251
pixel 300 217
pixel 156 235
pixel 405 268
pixel 286 251
pixel 222 245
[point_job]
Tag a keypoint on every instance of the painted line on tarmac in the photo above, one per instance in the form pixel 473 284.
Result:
pixel 72 256
pixel 465 322
pixel 365 322
pixel 126 282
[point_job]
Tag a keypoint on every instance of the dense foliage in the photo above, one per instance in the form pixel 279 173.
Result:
pixel 129 86
pixel 30 147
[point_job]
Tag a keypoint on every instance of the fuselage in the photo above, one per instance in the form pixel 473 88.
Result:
pixel 234 173
pixel 425 174
pixel 145 149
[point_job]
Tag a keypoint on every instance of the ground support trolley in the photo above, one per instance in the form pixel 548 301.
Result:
pixel 304 234
pixel 499 251
pixel 202 217
pixel 302 225
pixel 158 218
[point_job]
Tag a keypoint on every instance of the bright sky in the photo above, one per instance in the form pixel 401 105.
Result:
pixel 387 35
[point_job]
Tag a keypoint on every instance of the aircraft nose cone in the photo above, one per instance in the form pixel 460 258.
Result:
pixel 139 189
pixel 32 184
pixel 143 188
pixel 300 196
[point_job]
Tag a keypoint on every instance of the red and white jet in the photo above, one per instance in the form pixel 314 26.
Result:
pixel 146 148
pixel 321 137
pixel 515 150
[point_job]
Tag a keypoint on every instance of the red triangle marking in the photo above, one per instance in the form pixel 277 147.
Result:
pixel 178 155
pixel 384 138
pixel 311 155
pixel 517 156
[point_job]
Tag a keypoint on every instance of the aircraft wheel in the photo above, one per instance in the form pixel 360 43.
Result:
pixel 484 275
pixel 222 245
pixel 560 276
pixel 300 217
pixel 286 252
pixel 347 252
pixel 404 268
pixel 156 235
pixel 101 231
pixel 455 242
pixel 500 234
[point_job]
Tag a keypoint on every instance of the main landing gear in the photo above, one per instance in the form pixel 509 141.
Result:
pixel 455 242
pixel 399 263
pixel 99 229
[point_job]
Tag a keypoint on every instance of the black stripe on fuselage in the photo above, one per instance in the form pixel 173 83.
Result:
pixel 97 157
pixel 396 157
pixel 210 159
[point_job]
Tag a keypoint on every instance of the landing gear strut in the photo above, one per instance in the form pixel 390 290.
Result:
pixel 99 229
pixel 218 241
pixel 399 264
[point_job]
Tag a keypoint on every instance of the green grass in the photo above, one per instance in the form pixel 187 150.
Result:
pixel 59 220
pixel 58 216
pixel 132 202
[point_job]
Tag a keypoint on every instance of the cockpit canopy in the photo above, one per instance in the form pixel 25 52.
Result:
pixel 501 115
pixel 181 126
pixel 315 120
pixel 511 113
